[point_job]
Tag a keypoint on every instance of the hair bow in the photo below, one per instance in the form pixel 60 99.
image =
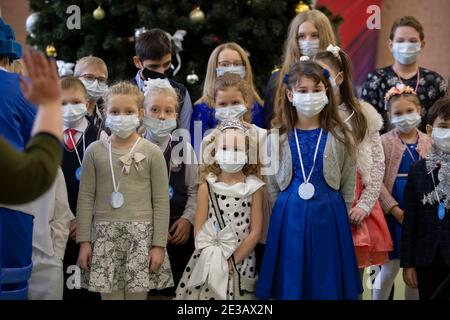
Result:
pixel 326 73
pixel 152 84
pixel 334 50
pixel 131 158
pixel 304 58
pixel 286 79
pixel 65 68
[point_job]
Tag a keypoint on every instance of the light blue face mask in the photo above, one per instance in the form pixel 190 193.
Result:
pixel 230 112
pixel 160 128
pixel 123 126
pixel 240 70
pixel 406 52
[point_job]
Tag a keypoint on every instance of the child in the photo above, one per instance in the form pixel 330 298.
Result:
pixel 79 133
pixel 92 71
pixel 226 58
pixel 153 59
pixel 161 105
pixel 52 218
pixel 370 232
pixel 425 247
pixel 309 251
pixel 309 32
pixel 123 199
pixel 406 41
pixel 402 146
pixel 228 221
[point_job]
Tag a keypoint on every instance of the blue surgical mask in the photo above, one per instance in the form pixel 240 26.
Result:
pixel 123 126
pixel 406 52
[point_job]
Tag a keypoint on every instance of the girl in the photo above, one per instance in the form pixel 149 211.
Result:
pixel 309 250
pixel 93 72
pixel 402 146
pixel 161 116
pixel 226 58
pixel 370 232
pixel 228 221
pixel 309 32
pixel 123 199
pixel 79 133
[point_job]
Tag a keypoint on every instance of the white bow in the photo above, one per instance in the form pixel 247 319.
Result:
pixel 65 68
pixel 334 50
pixel 212 266
pixel 177 39
pixel 151 84
pixel 304 58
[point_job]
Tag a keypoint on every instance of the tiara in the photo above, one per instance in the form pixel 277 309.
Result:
pixel 399 89
pixel 232 123
pixel 152 84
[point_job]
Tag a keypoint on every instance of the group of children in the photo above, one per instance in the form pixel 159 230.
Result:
pixel 195 216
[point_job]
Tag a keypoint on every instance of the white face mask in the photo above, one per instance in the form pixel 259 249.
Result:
pixel 231 161
pixel 441 138
pixel 240 70
pixel 73 114
pixel 160 128
pixel 94 89
pixel 123 126
pixel 406 52
pixel 309 47
pixel 406 122
pixel 310 104
pixel 231 112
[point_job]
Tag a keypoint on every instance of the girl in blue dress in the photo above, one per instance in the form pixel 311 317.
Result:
pixel 309 252
pixel 402 146
pixel 226 58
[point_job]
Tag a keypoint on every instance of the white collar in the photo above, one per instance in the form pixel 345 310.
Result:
pixel 81 127
pixel 241 189
pixel 4 69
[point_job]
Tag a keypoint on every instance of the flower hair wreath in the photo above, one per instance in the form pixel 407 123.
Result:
pixel 399 89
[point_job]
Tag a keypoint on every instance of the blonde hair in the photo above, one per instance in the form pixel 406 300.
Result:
pixel 211 144
pixel 231 80
pixel 291 51
pixel 167 91
pixel 87 61
pixel 211 73
pixel 18 67
pixel 125 88
pixel 72 83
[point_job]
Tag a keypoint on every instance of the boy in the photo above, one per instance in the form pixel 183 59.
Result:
pixel 425 247
pixel 406 43
pixel 153 59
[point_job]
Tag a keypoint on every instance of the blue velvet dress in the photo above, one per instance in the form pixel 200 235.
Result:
pixel 395 228
pixel 309 252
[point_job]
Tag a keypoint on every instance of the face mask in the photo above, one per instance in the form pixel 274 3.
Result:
pixel 160 128
pixel 309 47
pixel 441 138
pixel 231 112
pixel 73 114
pixel 150 74
pixel 407 122
pixel 406 52
pixel 240 70
pixel 95 89
pixel 231 161
pixel 123 126
pixel 310 104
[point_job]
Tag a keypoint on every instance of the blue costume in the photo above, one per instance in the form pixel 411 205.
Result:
pixel 395 228
pixel 309 252
pixel 16 228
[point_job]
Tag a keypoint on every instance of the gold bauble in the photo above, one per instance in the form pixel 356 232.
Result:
pixel 99 13
pixel 50 50
pixel 301 7
pixel 197 15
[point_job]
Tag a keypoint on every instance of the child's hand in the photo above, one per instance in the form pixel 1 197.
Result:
pixel 410 277
pixel 85 256
pixel 156 258
pixel 43 87
pixel 230 267
pixel 73 229
pixel 181 230
pixel 357 215
pixel 398 214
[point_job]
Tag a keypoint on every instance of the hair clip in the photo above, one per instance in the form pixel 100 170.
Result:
pixel 334 50
pixel 286 79
pixel 326 73
pixel 304 58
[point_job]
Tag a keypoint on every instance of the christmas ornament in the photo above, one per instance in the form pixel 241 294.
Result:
pixel 138 32
pixel 99 13
pixel 301 7
pixel 30 23
pixel 197 15
pixel 192 78
pixel 51 51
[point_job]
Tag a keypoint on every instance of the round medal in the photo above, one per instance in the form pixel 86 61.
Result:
pixel 116 199
pixel 170 192
pixel 78 173
pixel 306 191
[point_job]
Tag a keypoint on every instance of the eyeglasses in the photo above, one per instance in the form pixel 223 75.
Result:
pixel 91 78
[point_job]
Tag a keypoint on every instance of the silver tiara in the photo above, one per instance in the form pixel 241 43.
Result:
pixel 232 123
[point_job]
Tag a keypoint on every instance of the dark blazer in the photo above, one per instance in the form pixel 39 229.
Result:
pixel 422 231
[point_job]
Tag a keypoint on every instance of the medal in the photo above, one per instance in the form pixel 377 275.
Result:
pixel 170 192
pixel 116 200
pixel 78 173
pixel 441 211
pixel 78 170
pixel 306 190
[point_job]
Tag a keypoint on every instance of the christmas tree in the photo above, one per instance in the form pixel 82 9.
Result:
pixel 107 30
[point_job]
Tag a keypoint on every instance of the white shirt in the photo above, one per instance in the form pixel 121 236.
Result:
pixel 81 129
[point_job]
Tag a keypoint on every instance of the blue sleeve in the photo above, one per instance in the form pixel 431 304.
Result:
pixel 258 115
pixel 269 99
pixel 202 119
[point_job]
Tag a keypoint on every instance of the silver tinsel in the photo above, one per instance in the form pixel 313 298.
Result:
pixel 435 159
